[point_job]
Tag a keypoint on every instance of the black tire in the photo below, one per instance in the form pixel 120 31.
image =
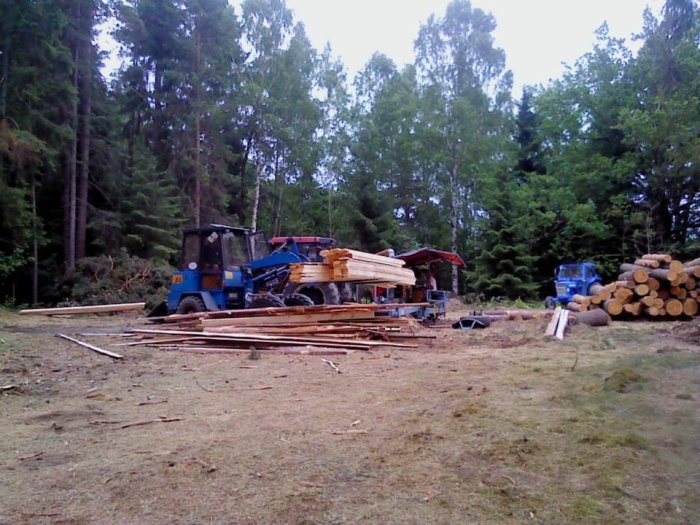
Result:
pixel 190 305
pixel 267 301
pixel 319 293
pixel 550 303
pixel 298 299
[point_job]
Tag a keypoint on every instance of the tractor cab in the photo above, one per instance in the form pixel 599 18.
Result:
pixel 572 279
pixel 213 268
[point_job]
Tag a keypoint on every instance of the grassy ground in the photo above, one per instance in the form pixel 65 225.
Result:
pixel 495 426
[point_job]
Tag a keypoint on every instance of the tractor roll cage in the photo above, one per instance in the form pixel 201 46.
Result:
pixel 218 247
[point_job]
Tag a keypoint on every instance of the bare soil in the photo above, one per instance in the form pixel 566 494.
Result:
pixel 494 426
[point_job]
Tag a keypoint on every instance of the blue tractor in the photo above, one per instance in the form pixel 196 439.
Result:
pixel 572 279
pixel 229 267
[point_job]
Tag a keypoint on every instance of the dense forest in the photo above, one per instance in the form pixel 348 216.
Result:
pixel 231 116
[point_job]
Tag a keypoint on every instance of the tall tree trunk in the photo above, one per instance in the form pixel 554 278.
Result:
pixel 453 225
pixel 5 70
pixel 86 110
pixel 35 249
pixel 256 200
pixel 244 188
pixel 71 172
pixel 330 211
pixel 158 120
pixel 197 130
pixel 279 182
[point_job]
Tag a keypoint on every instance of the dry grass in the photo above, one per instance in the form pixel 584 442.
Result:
pixel 488 426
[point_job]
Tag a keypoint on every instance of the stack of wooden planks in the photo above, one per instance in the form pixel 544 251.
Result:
pixel 655 285
pixel 343 265
pixel 314 330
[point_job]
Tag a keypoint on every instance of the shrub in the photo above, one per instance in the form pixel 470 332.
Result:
pixel 122 278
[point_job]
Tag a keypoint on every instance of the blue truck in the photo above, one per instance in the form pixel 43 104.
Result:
pixel 572 279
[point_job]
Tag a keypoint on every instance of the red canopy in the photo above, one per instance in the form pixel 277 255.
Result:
pixel 429 255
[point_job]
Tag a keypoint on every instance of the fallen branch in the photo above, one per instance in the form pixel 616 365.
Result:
pixel 332 365
pixel 354 431
pixel 149 421
pixel 573 367
pixel 93 347
pixel 241 389
pixel 31 456
pixel 194 461
pixel 143 403
pixel 8 387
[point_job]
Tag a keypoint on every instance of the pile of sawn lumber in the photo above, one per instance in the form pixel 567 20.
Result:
pixel 655 285
pixel 314 330
pixel 343 265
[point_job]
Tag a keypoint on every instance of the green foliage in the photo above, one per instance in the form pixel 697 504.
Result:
pixel 503 267
pixel 152 212
pixel 599 165
pixel 116 279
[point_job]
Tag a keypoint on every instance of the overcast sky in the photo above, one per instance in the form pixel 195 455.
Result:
pixel 537 35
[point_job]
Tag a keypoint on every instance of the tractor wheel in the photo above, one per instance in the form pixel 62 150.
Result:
pixel 550 303
pixel 346 293
pixel 191 304
pixel 267 301
pixel 319 293
pixel 298 299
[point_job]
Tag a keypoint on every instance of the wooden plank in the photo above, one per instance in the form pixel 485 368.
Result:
pixel 252 338
pixel 288 350
pixel 289 319
pixel 552 326
pixel 344 253
pixel 93 347
pixel 96 309
pixel 561 325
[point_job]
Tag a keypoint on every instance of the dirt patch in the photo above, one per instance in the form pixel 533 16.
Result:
pixel 488 426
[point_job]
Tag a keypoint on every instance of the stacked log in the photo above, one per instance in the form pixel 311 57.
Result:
pixel 343 265
pixel 655 286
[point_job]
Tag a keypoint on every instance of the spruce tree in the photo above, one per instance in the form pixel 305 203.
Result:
pixel 503 266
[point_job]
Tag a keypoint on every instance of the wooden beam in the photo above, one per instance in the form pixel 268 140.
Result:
pixel 96 309
pixel 552 326
pixel 93 347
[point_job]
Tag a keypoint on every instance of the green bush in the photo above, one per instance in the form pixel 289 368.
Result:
pixel 122 278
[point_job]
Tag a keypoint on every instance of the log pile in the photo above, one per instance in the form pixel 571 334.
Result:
pixel 655 285
pixel 343 265
pixel 310 330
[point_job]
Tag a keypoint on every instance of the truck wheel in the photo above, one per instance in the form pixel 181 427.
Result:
pixel 298 299
pixel 550 303
pixel 319 293
pixel 267 301
pixel 190 305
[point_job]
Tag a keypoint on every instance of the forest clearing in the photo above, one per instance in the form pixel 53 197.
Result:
pixel 498 426
pixel 165 182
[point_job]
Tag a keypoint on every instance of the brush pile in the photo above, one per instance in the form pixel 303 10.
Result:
pixel 656 285
pixel 343 265
pixel 312 330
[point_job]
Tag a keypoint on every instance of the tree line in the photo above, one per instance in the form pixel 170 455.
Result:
pixel 231 116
